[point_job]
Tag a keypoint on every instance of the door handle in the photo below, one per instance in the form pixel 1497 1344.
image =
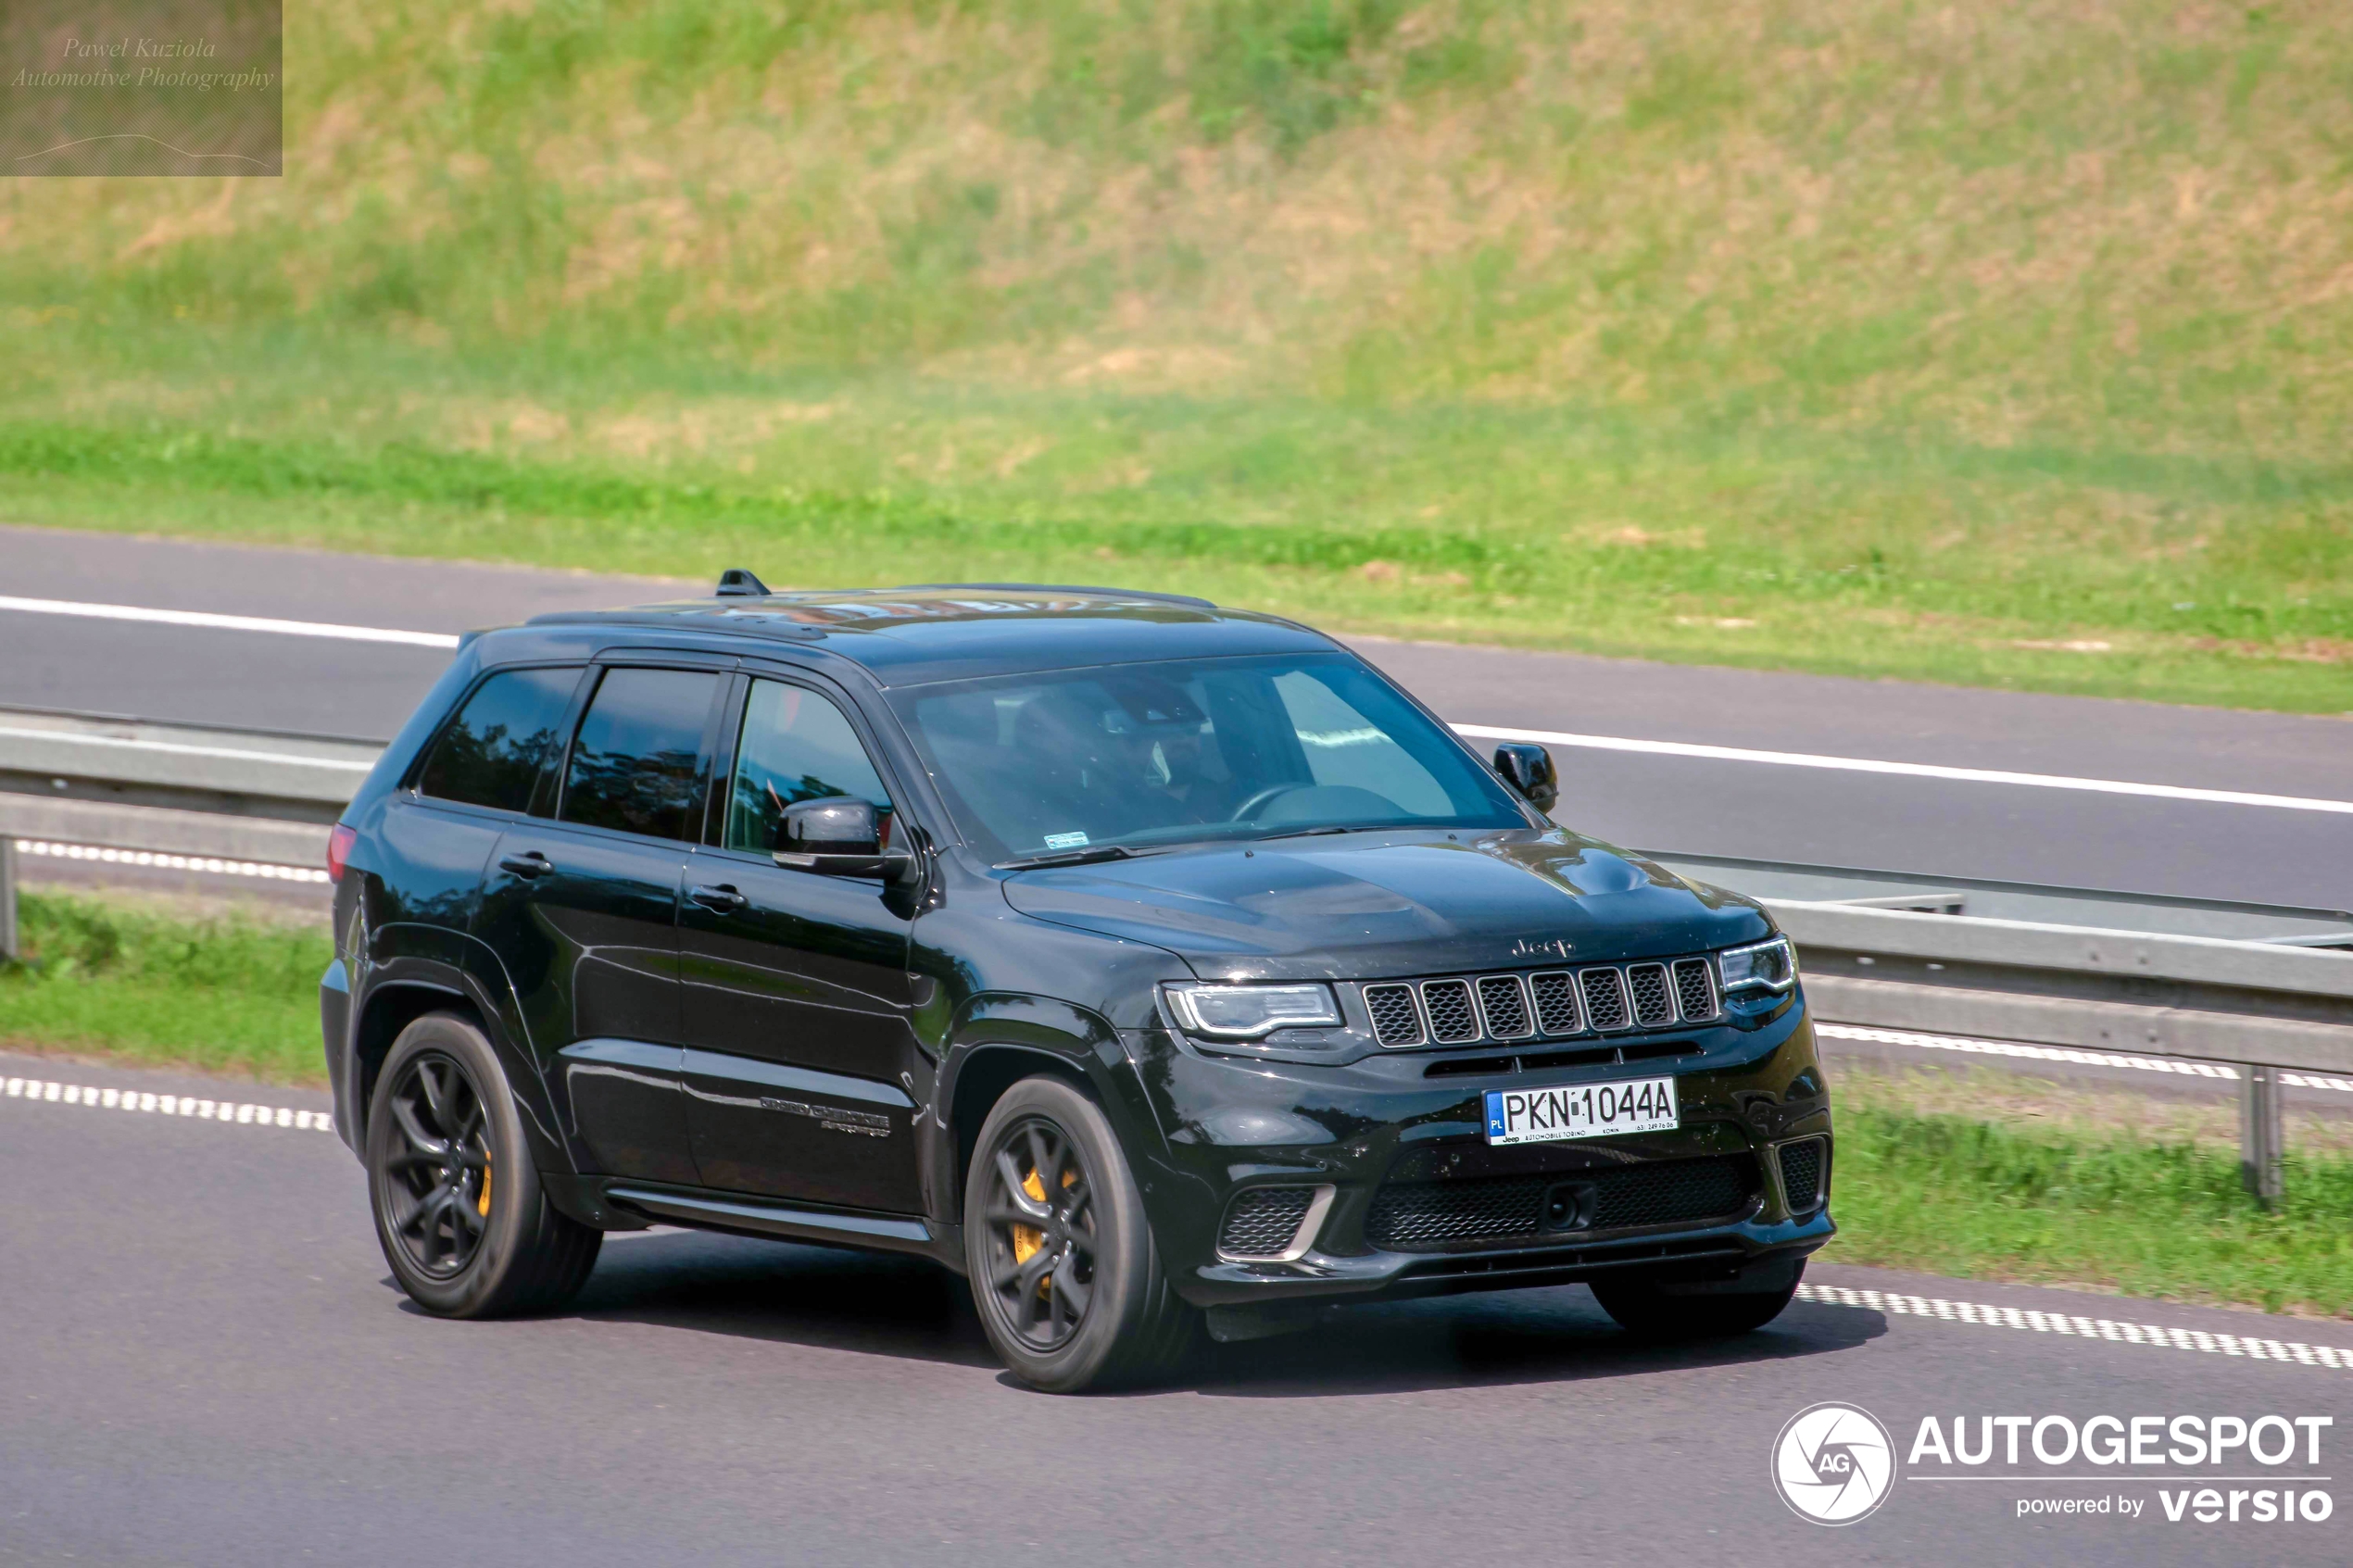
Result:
pixel 722 899
pixel 528 865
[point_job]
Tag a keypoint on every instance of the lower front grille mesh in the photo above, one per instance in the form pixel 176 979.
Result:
pixel 1262 1222
pixel 1444 1215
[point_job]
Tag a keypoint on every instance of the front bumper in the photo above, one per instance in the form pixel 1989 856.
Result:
pixel 1231 1124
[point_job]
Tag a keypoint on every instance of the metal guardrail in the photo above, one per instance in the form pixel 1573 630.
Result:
pixel 2266 988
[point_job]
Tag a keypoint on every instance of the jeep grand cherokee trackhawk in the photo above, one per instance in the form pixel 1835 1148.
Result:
pixel 1156 965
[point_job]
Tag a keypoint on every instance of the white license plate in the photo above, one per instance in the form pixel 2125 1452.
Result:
pixel 1581 1110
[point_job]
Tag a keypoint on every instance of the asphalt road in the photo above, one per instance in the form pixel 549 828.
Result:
pixel 1659 802
pixel 203 1360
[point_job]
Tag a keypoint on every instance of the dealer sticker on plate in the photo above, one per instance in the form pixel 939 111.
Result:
pixel 1581 1110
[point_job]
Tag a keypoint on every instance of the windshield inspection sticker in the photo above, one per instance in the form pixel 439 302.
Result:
pixel 1065 841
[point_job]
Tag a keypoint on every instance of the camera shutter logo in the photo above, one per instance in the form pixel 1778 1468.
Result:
pixel 1834 1464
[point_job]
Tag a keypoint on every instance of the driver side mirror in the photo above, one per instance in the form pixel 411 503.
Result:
pixel 1529 768
pixel 838 836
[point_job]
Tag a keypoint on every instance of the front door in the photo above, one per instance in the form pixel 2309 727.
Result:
pixel 583 908
pixel 796 990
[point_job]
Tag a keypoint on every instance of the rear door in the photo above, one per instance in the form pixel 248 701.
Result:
pixel 583 906
pixel 795 984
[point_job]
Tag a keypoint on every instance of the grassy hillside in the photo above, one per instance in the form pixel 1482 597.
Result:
pixel 2003 343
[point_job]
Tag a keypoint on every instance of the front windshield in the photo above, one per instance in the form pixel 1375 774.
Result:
pixel 1134 756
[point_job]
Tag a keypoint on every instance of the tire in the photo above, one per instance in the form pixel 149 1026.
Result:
pixel 1070 1289
pixel 474 1236
pixel 1642 1308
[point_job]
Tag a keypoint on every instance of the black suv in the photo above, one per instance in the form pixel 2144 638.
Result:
pixel 1156 965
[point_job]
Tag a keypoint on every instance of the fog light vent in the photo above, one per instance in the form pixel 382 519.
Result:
pixel 1802 1175
pixel 1262 1222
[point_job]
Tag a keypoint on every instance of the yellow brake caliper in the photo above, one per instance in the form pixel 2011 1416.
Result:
pixel 482 1205
pixel 1028 1239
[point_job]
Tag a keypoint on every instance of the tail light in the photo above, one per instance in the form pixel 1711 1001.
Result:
pixel 339 844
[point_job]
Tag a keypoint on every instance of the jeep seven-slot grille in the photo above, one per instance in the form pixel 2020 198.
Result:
pixel 1556 1002
pixel 1802 1175
pixel 1396 1022
pixel 1440 1216
pixel 1501 1005
pixel 1262 1222
pixel 1604 998
pixel 1550 1004
pixel 1653 1006
pixel 1452 1019
pixel 1695 992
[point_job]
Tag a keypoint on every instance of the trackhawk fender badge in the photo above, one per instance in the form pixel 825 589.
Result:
pixel 866 1124
pixel 1556 947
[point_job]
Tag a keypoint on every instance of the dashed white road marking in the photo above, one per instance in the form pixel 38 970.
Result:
pixel 2114 1330
pixel 2069 1054
pixel 1909 770
pixel 267 871
pixel 92 1097
pixel 228 623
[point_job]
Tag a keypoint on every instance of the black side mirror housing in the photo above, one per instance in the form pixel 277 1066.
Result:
pixel 1529 768
pixel 838 836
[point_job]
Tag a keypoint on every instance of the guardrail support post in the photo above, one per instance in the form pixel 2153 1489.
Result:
pixel 2259 1137
pixel 7 897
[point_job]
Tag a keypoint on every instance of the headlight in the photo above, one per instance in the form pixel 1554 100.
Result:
pixel 1770 965
pixel 1244 1012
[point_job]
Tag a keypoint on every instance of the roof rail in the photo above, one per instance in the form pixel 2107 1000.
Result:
pixel 737 583
pixel 1186 600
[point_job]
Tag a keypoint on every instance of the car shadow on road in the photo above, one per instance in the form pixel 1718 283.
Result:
pixel 873 1304
pixel 1553 1335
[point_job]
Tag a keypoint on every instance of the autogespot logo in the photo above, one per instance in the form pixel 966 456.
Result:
pixel 1834 1464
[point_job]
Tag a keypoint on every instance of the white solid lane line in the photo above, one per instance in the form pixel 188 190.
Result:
pixel 174 748
pixel 229 622
pixel 1483 731
pixel 2114 1330
pixel 1908 769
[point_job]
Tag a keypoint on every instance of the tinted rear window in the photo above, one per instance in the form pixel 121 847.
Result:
pixel 492 752
pixel 636 763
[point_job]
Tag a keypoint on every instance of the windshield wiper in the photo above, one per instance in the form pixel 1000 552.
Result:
pixel 1310 832
pixel 1072 857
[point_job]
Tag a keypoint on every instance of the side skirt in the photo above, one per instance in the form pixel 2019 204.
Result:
pixel 745 1215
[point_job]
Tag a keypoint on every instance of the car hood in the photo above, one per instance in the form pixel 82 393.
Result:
pixel 1367 906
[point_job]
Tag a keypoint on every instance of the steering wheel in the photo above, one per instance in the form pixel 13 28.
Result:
pixel 1247 810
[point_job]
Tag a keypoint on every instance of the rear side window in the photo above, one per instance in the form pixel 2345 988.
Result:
pixel 636 763
pixel 796 747
pixel 492 752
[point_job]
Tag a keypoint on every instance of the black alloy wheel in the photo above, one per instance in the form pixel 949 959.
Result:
pixel 1064 1272
pixel 439 1191
pixel 460 1212
pixel 1041 1234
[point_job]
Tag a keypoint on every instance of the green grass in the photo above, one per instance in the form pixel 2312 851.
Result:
pixel 225 994
pixel 2155 1216
pixel 1952 1196
pixel 2004 345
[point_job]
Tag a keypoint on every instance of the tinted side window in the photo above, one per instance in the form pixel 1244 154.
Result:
pixel 796 747
pixel 492 752
pixel 634 762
